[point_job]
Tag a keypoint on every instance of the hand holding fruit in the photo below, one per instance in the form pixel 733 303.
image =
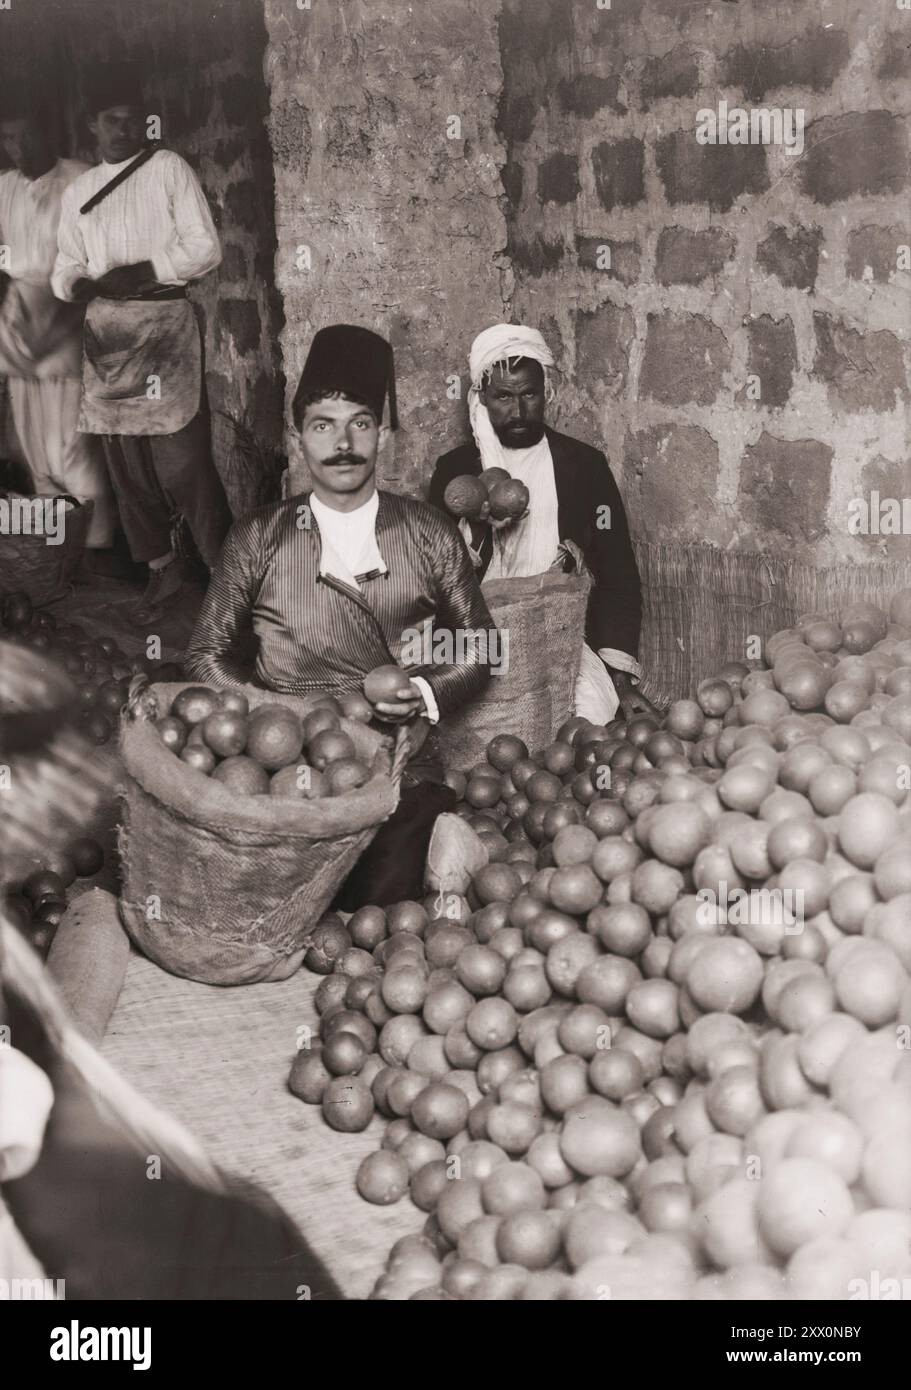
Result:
pixel 494 498
pixel 392 694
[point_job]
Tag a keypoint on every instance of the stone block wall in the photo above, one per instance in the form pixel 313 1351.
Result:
pixel 389 200
pixel 731 321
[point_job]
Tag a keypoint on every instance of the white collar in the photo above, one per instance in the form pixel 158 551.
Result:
pixel 356 522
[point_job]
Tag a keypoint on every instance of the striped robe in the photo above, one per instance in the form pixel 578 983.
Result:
pixel 316 633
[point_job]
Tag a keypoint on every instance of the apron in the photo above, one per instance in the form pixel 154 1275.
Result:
pixel 125 343
pixel 39 334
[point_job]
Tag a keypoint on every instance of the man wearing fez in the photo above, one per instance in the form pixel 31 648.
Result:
pixel 134 231
pixel 41 338
pixel 331 582
pixel 572 497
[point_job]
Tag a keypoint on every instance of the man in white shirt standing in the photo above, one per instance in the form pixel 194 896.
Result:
pixel 40 338
pixel 134 231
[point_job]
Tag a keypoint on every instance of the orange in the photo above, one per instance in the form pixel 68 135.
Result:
pixel 823 1043
pixel 508 498
pixel 195 703
pixel 347 1104
pixel 513 1126
pixel 749 851
pixel 714 698
pixel 822 635
pixel 744 787
pixel 892 871
pixel 800 764
pixel 345 775
pixel 801 1199
pixel 783 1084
pixel 511 1187
pixel 869 985
pixel 733 1101
pixel 858 636
pixel 613 856
pixel 496 883
pixel 804 1001
pixel 492 1023
pixel 656 886
pixel 575 888
pixel 865 612
pixel 464 496
pixel 528 1238
pixel 597 1138
pixel 480 969
pixel 831 788
pixel 797 837
pixel 328 746
pixel 504 751
pixel 803 683
pixel 623 928
pixel 725 976
pixel 567 958
pixel 275 736
pixel 678 832
pixel 458 1206
pixel 764 707
pixel 867 824
pixel 832 1139
pixel 883 773
pixel 851 898
pixel 574 844
pixel 653 1007
pixel 685 719
pixel 382 1178
pixel 728 1225
pixel 242 775
pixel 886 1171
pixel 545 1157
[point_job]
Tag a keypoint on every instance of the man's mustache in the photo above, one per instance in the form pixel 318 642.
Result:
pixel 341 459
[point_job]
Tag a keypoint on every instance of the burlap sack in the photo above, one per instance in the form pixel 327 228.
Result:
pixel 45 572
pixel 544 620
pixel 227 889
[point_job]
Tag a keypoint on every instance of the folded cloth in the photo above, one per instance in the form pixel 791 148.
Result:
pixel 88 959
pixel 26 1099
pixel 454 856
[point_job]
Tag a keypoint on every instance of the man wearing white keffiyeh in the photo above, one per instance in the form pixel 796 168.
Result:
pixel 571 492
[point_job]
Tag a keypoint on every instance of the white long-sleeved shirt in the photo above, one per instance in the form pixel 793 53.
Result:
pixel 158 214
pixel 29 218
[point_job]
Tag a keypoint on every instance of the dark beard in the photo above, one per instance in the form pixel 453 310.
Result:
pixel 526 438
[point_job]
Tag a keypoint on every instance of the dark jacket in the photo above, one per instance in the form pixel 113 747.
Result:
pixel 584 484
pixel 316 633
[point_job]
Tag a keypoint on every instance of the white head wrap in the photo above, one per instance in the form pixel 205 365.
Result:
pixel 504 342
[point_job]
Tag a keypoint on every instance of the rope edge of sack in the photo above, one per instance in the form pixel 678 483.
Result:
pixel 136 711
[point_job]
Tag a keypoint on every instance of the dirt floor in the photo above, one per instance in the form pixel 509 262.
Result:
pixel 101 606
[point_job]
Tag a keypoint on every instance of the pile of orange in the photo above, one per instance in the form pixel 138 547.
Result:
pixel 663 1046
pixel 271 750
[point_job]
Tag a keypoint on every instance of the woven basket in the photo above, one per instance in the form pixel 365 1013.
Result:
pixel 543 618
pixel 45 572
pixel 236 884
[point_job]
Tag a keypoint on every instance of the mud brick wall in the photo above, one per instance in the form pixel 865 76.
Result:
pixel 726 262
pixel 389 212
pixel 204 61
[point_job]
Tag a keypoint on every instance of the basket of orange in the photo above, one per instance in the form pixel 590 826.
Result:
pixel 244 812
